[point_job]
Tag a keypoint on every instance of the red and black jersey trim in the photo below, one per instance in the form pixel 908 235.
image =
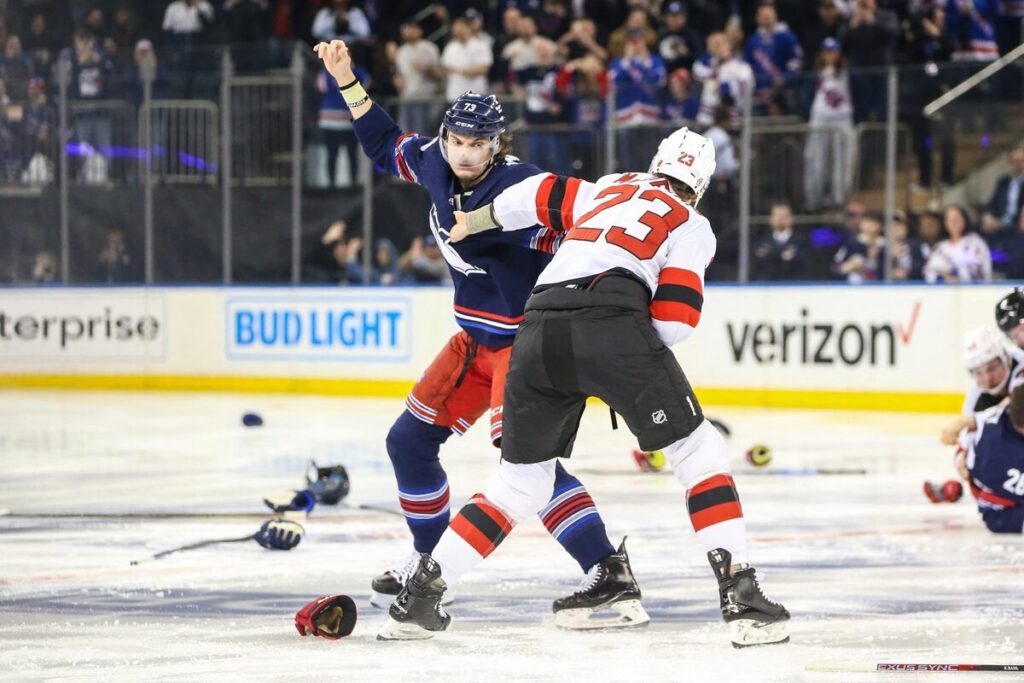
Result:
pixel 555 199
pixel 679 297
pixel 482 525
pixel 712 501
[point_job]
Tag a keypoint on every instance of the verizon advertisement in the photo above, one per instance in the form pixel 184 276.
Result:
pixel 82 324
pixel 834 338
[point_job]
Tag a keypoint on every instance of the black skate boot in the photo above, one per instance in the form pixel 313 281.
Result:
pixel 388 585
pixel 416 613
pixel 608 585
pixel 753 619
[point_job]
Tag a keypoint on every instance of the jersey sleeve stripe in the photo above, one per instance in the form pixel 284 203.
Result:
pixel 680 295
pixel 544 200
pixel 572 187
pixel 682 277
pixel 404 172
pixel 670 311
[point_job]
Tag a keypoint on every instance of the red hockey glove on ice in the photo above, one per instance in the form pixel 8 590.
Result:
pixel 949 492
pixel 329 616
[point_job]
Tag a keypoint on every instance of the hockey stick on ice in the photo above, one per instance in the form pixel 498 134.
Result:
pixel 170 515
pixel 770 472
pixel 193 546
pixel 908 667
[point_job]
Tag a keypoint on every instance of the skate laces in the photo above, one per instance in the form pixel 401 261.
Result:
pixel 404 569
pixel 757 587
pixel 591 579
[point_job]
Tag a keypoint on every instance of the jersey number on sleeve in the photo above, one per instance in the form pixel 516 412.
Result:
pixel 1015 483
pixel 659 224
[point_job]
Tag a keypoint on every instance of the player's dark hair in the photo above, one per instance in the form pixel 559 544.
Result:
pixel 1017 407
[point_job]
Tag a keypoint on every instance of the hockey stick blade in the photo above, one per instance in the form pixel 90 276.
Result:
pixel 908 667
pixel 192 546
pixel 767 472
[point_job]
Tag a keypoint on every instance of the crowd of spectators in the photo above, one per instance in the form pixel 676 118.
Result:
pixel 957 244
pixel 670 63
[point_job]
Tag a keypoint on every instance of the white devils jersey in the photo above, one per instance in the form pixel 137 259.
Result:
pixel 630 221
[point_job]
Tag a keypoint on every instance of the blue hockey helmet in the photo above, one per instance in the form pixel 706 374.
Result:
pixel 475 115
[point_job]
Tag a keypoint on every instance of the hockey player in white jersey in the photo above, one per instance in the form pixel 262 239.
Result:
pixel 626 284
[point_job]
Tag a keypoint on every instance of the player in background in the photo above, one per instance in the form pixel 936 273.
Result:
pixel 626 284
pixel 994 370
pixel 994 464
pixel 1010 316
pixel 465 166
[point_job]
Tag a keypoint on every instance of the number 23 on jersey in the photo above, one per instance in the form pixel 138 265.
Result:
pixel 666 214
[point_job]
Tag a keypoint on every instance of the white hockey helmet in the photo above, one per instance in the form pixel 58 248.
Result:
pixel 982 345
pixel 687 157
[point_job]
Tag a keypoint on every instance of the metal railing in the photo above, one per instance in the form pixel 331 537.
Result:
pixel 254 134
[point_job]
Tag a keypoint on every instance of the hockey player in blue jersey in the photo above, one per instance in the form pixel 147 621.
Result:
pixel 995 464
pixel 465 166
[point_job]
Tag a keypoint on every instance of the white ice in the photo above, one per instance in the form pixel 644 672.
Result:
pixel 870 570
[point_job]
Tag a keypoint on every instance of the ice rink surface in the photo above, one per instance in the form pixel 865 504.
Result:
pixel 870 570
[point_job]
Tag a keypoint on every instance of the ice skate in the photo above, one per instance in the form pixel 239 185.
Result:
pixel 388 585
pixel 753 619
pixel 609 585
pixel 416 614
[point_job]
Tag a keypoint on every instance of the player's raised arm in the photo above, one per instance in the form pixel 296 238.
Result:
pixel 338 63
pixel 544 199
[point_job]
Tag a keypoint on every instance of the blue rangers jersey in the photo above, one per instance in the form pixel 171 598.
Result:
pixel 776 57
pixel 995 461
pixel 493 272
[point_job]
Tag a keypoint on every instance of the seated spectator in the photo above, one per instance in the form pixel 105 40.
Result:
pixel 96 23
pixel 929 230
pixel 782 254
pixel 345 265
pixel 1014 250
pixel 862 259
pixel 725 79
pixel 908 253
pixel 637 24
pixel 16 69
pixel 115 262
pixel 852 214
pixel 44 268
pixel 386 270
pixel 335 123
pixel 124 33
pixel 466 61
pixel 424 261
pixel 776 58
pixel 963 256
pixel 1004 207
pixel 727 166
pixel 678 44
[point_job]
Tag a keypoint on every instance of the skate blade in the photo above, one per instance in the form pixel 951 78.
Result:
pixel 384 600
pixel 750 633
pixel 630 614
pixel 396 630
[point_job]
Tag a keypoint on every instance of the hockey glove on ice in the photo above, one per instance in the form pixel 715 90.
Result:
pixel 329 616
pixel 290 501
pixel 279 534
